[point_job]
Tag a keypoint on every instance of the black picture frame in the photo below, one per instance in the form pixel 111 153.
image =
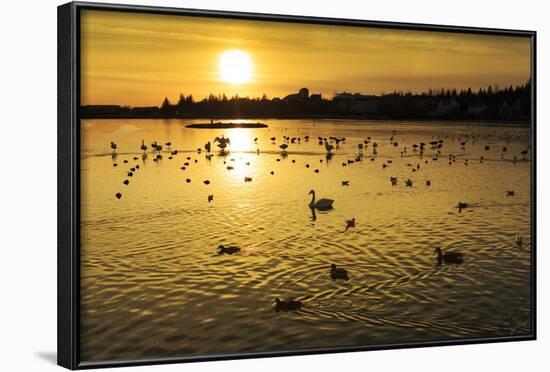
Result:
pixel 68 252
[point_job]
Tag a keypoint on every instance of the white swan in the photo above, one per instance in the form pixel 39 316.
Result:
pixel 321 204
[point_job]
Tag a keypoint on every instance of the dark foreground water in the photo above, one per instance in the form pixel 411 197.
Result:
pixel 153 285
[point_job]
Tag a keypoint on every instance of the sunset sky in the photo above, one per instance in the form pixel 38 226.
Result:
pixel 138 59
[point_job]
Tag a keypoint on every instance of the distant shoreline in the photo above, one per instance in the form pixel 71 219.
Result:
pixel 228 125
pixel 523 124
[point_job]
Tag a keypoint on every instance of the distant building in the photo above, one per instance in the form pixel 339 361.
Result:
pixel 302 95
pixel 356 103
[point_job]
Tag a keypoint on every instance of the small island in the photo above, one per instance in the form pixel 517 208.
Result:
pixel 220 125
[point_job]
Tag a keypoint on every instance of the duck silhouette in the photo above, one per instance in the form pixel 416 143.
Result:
pixel 338 273
pixel 228 250
pixel 287 305
pixel 449 257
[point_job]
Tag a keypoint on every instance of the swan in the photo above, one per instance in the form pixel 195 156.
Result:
pixel 287 305
pixel 449 257
pixel 338 273
pixel 321 204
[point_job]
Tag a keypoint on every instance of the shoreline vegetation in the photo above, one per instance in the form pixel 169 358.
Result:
pixel 509 105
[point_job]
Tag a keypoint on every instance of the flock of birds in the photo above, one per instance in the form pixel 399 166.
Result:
pixel 330 144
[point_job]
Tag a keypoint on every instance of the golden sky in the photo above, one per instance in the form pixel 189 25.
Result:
pixel 138 59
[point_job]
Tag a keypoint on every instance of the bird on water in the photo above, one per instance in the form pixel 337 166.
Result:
pixel 287 305
pixel 321 204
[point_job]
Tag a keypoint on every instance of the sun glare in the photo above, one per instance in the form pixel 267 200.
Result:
pixel 235 67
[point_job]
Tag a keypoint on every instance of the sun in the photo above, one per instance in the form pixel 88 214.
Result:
pixel 235 67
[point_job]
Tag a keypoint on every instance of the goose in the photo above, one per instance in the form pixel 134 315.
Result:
pixel 206 182
pixel 328 147
pixel 228 250
pixel 143 147
pixel 316 170
pixel 393 181
pixel 188 180
pixel 287 305
pixel 125 161
pixel 409 183
pixel 115 164
pixel 248 179
pixel 449 257
pixel 118 195
pixel 283 147
pixel 350 224
pixel 510 193
pixel 345 183
pixel 207 146
pixel 113 146
pixel 210 198
pixel 428 183
pixel 338 273
pixel 321 204
pixel 126 182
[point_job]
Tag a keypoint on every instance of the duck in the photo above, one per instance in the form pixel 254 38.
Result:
pixel 287 305
pixel 118 195
pixel 248 179
pixel 113 146
pixel 126 182
pixel 461 206
pixel 345 183
pixel 210 198
pixel 350 224
pixel 510 193
pixel 449 257
pixel 206 182
pixel 409 183
pixel 338 273
pixel 228 250
pixel 321 204
pixel 519 240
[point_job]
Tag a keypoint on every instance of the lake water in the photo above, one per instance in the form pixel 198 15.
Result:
pixel 154 286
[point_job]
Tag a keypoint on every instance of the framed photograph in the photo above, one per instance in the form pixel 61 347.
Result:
pixel 236 185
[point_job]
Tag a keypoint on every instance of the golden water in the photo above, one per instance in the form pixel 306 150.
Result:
pixel 154 286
